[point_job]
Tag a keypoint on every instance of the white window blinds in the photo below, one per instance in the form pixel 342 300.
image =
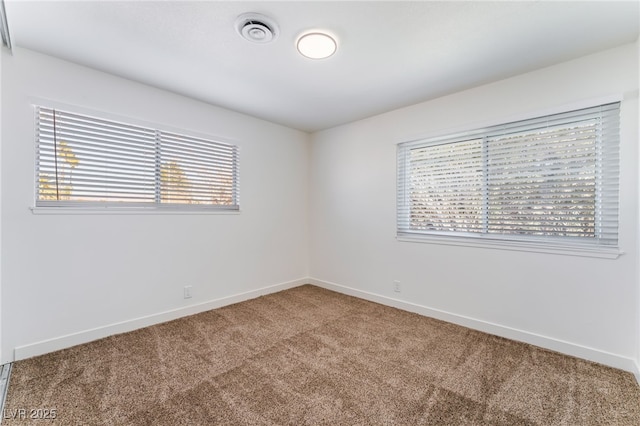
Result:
pixel 87 162
pixel 552 179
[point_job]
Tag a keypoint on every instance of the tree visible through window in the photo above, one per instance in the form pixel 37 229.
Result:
pixel 87 161
pixel 51 188
pixel 547 179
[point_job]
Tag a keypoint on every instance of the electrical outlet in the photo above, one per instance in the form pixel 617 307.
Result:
pixel 187 291
pixel 396 286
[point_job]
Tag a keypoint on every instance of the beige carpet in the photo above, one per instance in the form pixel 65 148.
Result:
pixel 312 356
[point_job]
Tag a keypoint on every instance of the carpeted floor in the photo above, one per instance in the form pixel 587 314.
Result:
pixel 312 356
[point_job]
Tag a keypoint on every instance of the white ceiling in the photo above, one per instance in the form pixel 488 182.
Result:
pixel 391 54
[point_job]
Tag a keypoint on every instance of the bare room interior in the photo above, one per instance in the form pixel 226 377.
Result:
pixel 319 212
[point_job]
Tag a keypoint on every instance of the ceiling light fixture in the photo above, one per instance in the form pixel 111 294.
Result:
pixel 317 45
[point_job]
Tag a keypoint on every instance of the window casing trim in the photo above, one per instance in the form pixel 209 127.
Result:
pixel 485 124
pixel 119 210
pixel 547 244
pixel 40 206
pixel 131 120
pixel 524 246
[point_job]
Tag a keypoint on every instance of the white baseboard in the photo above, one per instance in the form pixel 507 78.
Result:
pixel 85 336
pixel 568 348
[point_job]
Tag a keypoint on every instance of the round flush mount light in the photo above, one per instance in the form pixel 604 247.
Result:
pixel 257 28
pixel 316 45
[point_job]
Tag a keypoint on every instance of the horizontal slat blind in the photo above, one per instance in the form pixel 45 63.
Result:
pixel 445 187
pixel 550 179
pixel 85 161
pixel 197 171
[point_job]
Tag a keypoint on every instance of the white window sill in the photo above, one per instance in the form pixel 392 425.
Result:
pixel 566 250
pixel 127 211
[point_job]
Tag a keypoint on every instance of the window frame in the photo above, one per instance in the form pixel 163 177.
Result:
pixel 557 245
pixel 130 208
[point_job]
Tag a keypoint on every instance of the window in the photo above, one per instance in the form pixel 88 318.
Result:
pixel 550 181
pixel 90 162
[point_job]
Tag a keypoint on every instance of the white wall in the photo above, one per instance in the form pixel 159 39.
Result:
pixel 1 127
pixel 66 279
pixel 579 305
pixel 637 371
pixel 75 277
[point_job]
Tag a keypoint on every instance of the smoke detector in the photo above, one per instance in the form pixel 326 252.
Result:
pixel 257 28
